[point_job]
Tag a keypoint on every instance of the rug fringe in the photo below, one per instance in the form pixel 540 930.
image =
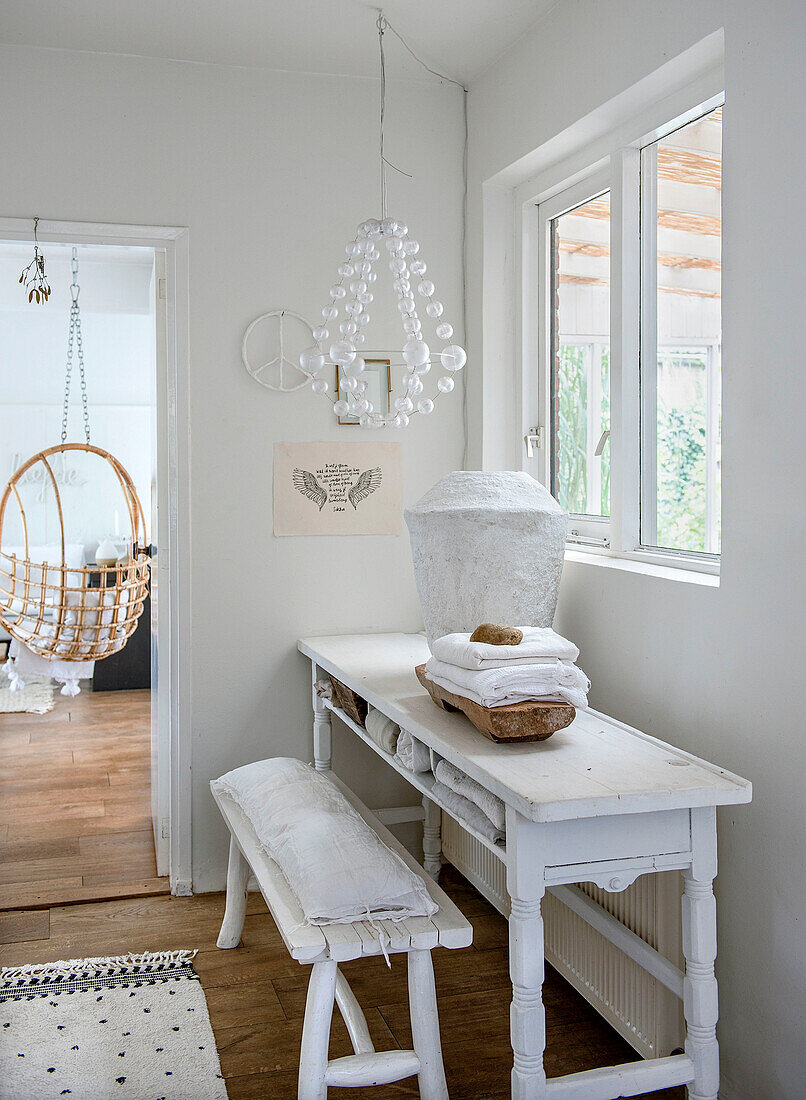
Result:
pixel 103 966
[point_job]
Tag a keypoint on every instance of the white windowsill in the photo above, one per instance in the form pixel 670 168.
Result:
pixel 611 560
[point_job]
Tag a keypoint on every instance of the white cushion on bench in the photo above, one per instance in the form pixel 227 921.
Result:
pixel 335 863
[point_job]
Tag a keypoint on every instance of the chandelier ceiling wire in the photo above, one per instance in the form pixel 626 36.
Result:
pixel 363 252
pixel 381 27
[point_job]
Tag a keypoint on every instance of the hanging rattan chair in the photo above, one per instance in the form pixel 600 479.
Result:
pixel 65 612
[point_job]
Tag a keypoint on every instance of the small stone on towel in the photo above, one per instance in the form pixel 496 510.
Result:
pixel 497 634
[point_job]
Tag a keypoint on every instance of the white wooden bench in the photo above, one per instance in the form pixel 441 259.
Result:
pixel 326 946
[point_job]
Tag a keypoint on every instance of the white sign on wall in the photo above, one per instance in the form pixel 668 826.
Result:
pixel 337 489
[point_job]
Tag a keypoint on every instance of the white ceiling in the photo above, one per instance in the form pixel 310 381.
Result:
pixel 459 37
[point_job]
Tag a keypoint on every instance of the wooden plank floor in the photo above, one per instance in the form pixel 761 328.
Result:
pixel 75 802
pixel 75 826
pixel 256 993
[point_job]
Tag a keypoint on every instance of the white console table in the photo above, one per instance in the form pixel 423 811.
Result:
pixel 597 802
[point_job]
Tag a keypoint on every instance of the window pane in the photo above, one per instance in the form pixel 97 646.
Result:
pixel 681 348
pixel 580 246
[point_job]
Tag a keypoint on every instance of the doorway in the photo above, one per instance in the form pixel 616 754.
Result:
pixel 91 791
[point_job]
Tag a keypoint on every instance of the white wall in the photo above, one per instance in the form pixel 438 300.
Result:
pixel 716 671
pixel 271 172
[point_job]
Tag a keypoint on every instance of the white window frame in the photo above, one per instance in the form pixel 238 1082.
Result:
pixel 649 357
pixel 568 184
pixel 582 529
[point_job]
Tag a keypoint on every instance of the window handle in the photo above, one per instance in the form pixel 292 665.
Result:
pixel 600 446
pixel 574 537
pixel 532 439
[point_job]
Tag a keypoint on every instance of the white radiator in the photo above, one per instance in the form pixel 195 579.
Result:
pixel 648 1015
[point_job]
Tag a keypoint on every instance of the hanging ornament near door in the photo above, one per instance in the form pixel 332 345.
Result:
pixel 66 611
pixel 33 277
pixel 341 343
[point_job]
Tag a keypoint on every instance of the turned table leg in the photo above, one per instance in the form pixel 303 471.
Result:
pixel 527 1017
pixel 322 733
pixel 432 837
pixel 700 1005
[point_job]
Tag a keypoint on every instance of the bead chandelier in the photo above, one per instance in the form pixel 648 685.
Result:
pixel 353 294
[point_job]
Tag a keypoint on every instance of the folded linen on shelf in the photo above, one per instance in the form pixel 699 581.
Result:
pixel 323 689
pixel 383 731
pixel 497 687
pixel 467 812
pixel 539 643
pixel 489 804
pixel 412 754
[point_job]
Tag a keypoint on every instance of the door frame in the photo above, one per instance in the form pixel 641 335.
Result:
pixel 173 465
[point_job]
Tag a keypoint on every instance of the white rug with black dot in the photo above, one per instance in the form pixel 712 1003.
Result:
pixel 134 1027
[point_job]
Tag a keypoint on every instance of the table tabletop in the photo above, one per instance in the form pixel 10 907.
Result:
pixel 595 767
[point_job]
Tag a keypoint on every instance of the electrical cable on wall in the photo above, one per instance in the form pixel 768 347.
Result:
pixel 442 76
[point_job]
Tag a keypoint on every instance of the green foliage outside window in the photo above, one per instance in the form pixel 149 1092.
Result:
pixel 681 452
pixel 681 442
pixel 572 430
pixel 681 478
pixel 605 459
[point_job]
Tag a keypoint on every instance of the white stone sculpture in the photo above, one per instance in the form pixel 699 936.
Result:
pixel 487 547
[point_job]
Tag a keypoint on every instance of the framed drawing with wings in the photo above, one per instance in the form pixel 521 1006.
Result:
pixel 337 489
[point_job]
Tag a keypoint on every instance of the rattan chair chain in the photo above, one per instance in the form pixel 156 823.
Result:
pixel 74 337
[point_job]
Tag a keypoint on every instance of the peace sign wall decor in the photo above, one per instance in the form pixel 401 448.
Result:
pixel 270 350
pixel 337 489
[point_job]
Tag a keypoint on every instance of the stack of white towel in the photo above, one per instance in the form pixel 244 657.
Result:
pixel 469 801
pixel 412 754
pixel 462 796
pixel 540 667
pixel 383 731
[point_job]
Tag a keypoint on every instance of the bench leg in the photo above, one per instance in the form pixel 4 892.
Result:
pixel 316 1032
pixel 235 911
pixel 425 1026
pixel 354 1019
